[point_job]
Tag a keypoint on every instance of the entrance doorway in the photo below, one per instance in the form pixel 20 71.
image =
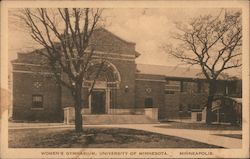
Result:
pixel 98 102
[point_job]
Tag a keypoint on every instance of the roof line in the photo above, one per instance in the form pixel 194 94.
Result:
pixel 129 42
pixel 168 66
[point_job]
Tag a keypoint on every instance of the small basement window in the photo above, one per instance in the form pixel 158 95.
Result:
pixel 37 101
pixel 148 103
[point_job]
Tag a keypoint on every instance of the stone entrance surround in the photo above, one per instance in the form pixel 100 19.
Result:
pixel 114 116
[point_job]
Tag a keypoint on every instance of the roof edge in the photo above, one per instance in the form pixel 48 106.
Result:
pixel 129 42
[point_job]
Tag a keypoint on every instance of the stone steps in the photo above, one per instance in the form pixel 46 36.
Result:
pixel 117 119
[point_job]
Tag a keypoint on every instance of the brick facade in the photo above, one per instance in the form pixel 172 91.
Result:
pixel 149 86
pixel 174 97
pixel 24 86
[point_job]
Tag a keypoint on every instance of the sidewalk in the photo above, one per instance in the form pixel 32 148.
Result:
pixel 38 125
pixel 205 136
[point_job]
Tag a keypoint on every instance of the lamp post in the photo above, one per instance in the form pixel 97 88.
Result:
pixel 126 88
pixel 73 84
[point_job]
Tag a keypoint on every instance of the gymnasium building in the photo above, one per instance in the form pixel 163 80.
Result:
pixel 126 92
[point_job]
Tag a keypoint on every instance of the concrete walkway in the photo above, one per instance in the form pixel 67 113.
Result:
pixel 205 136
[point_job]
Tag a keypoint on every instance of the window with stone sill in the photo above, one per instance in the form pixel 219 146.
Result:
pixel 172 86
pixel 37 101
pixel 189 87
pixel 169 92
pixel 202 87
pixel 180 107
pixel 148 103
pixel 189 107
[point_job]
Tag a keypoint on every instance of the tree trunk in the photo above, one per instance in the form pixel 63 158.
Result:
pixel 78 107
pixel 212 91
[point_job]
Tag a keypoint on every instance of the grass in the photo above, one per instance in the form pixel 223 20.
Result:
pixel 200 126
pixel 97 138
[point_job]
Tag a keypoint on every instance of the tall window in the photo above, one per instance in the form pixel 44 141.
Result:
pixel 189 87
pixel 189 107
pixel 183 86
pixel 172 86
pixel 202 87
pixel 231 88
pixel 37 101
pixel 148 103
pixel 220 88
pixel 180 107
pixel 199 87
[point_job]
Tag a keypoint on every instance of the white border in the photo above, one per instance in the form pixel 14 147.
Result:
pixel 36 153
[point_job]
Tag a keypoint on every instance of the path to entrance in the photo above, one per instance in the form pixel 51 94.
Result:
pixel 205 136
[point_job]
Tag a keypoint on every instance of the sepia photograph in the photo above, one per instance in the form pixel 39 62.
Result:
pixel 89 81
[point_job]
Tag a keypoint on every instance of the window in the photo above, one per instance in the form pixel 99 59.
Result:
pixel 186 87
pixel 203 87
pixel 37 101
pixel 189 107
pixel 183 86
pixel 172 86
pixel 193 106
pixel 180 107
pixel 148 103
pixel 189 87
pixel 196 106
pixel 199 85
pixel 169 92
pixel 220 88
pixel 167 82
pixel 231 88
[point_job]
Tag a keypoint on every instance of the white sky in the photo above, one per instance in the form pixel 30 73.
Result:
pixel 148 28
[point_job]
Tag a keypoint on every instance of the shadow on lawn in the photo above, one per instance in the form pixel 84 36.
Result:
pixel 236 136
pixel 97 138
pixel 199 126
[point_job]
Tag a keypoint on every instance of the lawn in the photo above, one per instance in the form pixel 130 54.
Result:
pixel 97 138
pixel 200 126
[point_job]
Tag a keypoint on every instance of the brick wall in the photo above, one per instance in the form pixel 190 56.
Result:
pixel 125 98
pixel 122 98
pixel 24 88
pixel 105 41
pixel 187 100
pixel 149 89
pixel 171 108
pixel 139 86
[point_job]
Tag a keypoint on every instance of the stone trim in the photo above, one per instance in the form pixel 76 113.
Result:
pixel 114 68
pixel 31 72
pixel 116 58
pixel 27 64
pixel 150 80
pixel 37 109
pixel 106 90
pixel 115 54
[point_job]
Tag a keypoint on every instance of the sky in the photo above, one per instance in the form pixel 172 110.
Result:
pixel 150 29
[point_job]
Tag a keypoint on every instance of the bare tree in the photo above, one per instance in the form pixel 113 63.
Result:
pixel 65 35
pixel 213 43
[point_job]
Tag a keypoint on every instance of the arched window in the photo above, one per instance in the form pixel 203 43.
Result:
pixel 103 72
